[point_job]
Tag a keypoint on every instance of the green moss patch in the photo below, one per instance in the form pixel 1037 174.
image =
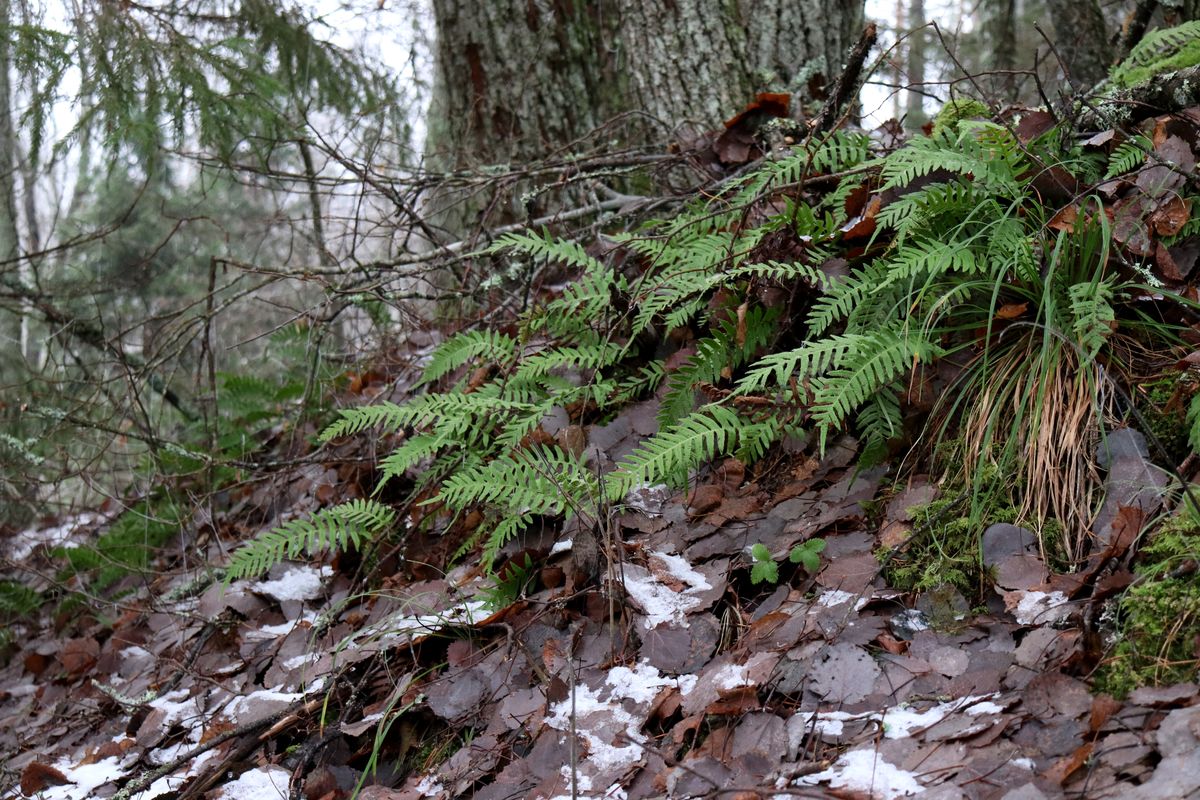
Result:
pixel 1157 621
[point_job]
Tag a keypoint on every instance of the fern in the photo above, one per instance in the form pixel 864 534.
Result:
pixel 813 358
pixel 461 348
pixel 982 151
pixel 1128 156
pixel 337 527
pixel 1159 51
pixel 863 372
pixel 669 455
pixel 548 248
pixel 1092 314
pixel 461 410
pixel 540 480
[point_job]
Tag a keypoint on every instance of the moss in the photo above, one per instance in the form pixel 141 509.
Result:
pixel 1163 417
pixel 1158 618
pixel 956 110
pixel 945 547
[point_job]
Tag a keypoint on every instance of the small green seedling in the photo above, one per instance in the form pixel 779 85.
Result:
pixel 808 554
pixel 764 568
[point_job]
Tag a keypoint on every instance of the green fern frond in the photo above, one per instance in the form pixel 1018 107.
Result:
pixel 776 271
pixel 460 412
pixel 705 366
pixel 1092 314
pixel 813 358
pixel 1159 51
pixel 924 260
pixel 548 248
pixel 337 527
pixel 982 151
pixel 877 359
pixel 844 296
pixel 669 455
pixel 920 207
pixel 1010 249
pixel 670 292
pixel 1193 421
pixel 507 528
pixel 754 438
pixel 879 422
pixel 1128 156
pixel 595 355
pixel 356 420
pixel 491 346
pixel 408 455
pixel 643 382
pixel 539 480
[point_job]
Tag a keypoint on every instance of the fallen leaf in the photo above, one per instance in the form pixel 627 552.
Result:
pixel 1065 767
pixel 38 777
pixel 1011 310
pixel 79 655
pixel 1170 216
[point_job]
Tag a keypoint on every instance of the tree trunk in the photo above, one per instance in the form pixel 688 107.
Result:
pixel 1081 36
pixel 10 243
pixel 519 80
pixel 915 117
pixel 1000 24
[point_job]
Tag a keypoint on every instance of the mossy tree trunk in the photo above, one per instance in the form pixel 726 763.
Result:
pixel 521 80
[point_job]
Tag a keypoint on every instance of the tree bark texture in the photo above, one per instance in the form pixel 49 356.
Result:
pixel 914 113
pixel 1081 37
pixel 520 80
pixel 1000 23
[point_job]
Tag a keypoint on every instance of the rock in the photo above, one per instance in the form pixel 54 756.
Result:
pixel 1003 540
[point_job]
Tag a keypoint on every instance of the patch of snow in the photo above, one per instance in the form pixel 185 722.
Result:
pixel 84 779
pixel 399 625
pixel 659 602
pixel 24 543
pixel 730 676
pixel 283 628
pixel 681 568
pixel 601 719
pixel 687 683
pixel 172 783
pixel 648 499
pixel 582 782
pixel 1023 763
pixel 268 700
pixel 561 547
pixel 302 660
pixel 263 783
pixel 836 597
pixel 133 651
pixel 429 786
pixel 984 707
pixel 1041 608
pixel 830 723
pixel 298 583
pixel 898 722
pixel 640 684
pixel 866 771
pixel 178 706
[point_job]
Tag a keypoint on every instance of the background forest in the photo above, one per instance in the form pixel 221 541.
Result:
pixel 680 393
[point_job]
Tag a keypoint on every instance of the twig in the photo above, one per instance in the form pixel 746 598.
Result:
pixel 845 88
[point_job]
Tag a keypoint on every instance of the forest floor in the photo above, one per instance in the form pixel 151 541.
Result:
pixel 675 675
pixel 697 661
